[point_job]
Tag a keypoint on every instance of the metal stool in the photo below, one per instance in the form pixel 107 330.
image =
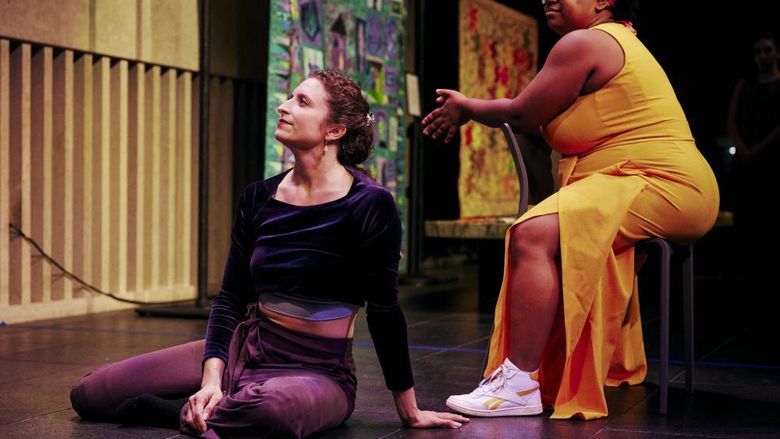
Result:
pixel 683 253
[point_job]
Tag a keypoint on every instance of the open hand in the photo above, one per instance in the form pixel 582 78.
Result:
pixel 446 119
pixel 431 419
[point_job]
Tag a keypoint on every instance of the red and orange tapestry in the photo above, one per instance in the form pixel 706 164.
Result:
pixel 498 53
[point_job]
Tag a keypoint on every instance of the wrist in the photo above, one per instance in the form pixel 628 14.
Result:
pixel 466 109
pixel 209 381
pixel 411 418
pixel 406 405
pixel 212 372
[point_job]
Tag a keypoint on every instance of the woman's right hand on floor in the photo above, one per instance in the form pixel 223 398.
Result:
pixel 201 404
pixel 431 419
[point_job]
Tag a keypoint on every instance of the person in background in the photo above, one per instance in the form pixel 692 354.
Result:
pixel 754 129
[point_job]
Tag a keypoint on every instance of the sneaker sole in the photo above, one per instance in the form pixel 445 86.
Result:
pixel 528 410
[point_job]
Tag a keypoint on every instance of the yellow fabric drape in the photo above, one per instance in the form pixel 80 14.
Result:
pixel 598 333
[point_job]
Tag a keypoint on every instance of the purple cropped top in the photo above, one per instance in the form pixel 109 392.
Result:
pixel 346 251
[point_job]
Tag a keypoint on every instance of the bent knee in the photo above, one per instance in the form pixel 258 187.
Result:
pixel 282 423
pixel 538 234
pixel 80 401
pixel 259 420
pixel 89 399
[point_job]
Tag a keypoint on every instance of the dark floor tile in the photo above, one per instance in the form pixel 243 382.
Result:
pixel 735 375
pixel 624 398
pixel 530 427
pixel 98 349
pixel 676 372
pixel 702 413
pixel 15 371
pixel 38 396
pixel 364 425
pixel 65 424
pixel 770 394
pixel 610 433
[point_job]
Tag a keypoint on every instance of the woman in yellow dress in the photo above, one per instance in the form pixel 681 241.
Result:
pixel 567 319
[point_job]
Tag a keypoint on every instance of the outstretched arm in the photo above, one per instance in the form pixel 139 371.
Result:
pixel 381 232
pixel 570 63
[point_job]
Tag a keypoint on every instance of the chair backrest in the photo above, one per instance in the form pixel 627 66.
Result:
pixel 522 173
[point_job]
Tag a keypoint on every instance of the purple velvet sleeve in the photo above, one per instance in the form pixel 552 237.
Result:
pixel 229 308
pixel 386 322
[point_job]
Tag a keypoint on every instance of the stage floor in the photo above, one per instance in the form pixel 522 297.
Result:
pixel 737 370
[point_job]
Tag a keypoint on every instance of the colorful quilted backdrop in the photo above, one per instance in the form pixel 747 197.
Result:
pixel 498 53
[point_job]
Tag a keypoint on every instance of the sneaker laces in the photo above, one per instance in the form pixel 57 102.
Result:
pixel 494 382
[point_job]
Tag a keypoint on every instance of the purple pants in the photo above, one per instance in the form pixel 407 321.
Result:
pixel 277 383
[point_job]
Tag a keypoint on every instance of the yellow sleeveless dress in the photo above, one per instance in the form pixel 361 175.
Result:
pixel 631 171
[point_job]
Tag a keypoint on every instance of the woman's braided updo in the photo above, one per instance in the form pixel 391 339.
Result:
pixel 348 107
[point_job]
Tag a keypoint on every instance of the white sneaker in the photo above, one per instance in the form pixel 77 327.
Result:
pixel 506 392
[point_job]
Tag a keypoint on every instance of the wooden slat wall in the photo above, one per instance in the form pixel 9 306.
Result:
pixel 184 182
pixel 19 186
pixel 5 181
pixel 62 168
pixel 98 164
pixel 220 175
pixel 153 115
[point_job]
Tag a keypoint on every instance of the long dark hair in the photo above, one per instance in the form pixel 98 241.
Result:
pixel 348 106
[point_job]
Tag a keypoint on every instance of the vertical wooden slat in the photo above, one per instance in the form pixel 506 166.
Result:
pixel 5 157
pixel 194 179
pixel 41 170
pixel 149 218
pixel 68 188
pixel 35 229
pixel 62 196
pixel 153 124
pixel 119 176
pixel 103 178
pixel 136 157
pixel 184 158
pixel 48 145
pixel 172 150
pixel 19 200
pixel 82 171
pixel 220 178
pixel 214 193
pixel 164 159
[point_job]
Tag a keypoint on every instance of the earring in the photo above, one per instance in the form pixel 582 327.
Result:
pixel 325 149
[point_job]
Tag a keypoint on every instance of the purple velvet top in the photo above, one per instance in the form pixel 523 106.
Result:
pixel 345 250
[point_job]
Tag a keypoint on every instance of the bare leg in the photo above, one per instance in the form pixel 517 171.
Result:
pixel 534 288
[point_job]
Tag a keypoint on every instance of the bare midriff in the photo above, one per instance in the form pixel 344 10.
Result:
pixel 336 328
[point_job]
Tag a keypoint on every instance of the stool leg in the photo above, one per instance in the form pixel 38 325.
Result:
pixel 688 317
pixel 664 314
